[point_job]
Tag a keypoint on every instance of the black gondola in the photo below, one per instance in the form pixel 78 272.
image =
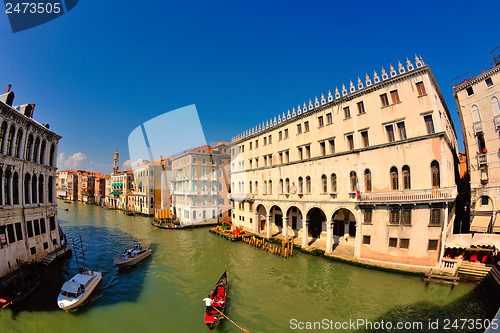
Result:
pixel 212 316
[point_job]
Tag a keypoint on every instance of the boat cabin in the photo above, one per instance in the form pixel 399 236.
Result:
pixel 77 285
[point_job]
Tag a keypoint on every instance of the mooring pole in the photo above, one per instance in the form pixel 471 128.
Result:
pixel 81 244
pixel 74 250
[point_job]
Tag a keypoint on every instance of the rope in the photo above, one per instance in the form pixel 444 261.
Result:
pixel 241 328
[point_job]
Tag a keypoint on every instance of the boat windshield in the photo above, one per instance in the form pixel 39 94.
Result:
pixel 64 293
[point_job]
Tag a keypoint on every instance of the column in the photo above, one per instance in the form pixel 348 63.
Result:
pixel 256 223
pixel 305 233
pixel 329 236
pixel 268 226
pixel 285 227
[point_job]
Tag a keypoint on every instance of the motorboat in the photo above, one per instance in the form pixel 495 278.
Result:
pixel 132 256
pixel 76 291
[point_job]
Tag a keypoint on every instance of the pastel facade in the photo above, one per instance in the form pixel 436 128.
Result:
pixel 369 171
pixel 67 185
pixel 28 214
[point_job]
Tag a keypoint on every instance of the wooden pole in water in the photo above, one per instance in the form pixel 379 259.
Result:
pixel 81 244
pixel 74 250
pixel 13 277
pixel 20 270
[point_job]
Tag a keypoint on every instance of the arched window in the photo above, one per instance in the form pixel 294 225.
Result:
pixel 368 180
pixel 308 184
pixel 1 187
pixel 52 155
pixel 333 182
pixel 281 186
pixel 496 106
pixel 3 133
pixel 35 150
pixel 324 184
pixel 270 187
pixel 256 187
pixel 15 188
pixel 40 189
pixel 29 147
pixel 203 172
pixel 435 174
pixel 42 152
pixel 406 178
pixel 33 189
pixel 394 179
pixel 250 187
pixel 354 181
pixel 301 185
pixel 51 189
pixel 204 214
pixel 10 141
pixel 265 187
pixel 213 174
pixel 7 183
pixel 476 117
pixel 287 186
pixel 17 149
pixel 27 188
pixel 194 172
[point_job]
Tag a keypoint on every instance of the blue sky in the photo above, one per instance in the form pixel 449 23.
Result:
pixel 105 67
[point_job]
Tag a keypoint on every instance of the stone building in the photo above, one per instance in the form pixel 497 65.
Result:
pixel 67 185
pixel 100 188
pixel 28 214
pixel 122 186
pixel 367 172
pixel 200 188
pixel 478 105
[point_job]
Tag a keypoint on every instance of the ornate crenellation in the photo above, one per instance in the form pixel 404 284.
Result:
pixel 344 93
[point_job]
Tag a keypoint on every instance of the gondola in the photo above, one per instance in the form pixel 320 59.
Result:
pixel 212 316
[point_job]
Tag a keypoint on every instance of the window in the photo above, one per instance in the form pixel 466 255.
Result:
pixel 394 179
pixel 470 91
pixel 429 125
pixel 395 97
pixel 394 217
pixel 484 201
pixel 33 250
pixel 264 189
pixel 324 184
pixel 265 141
pixel 489 82
pixel 390 133
pixel 435 219
pixel 301 185
pixel 406 178
pixel 287 156
pixel 250 146
pixel 281 186
pixel 270 139
pixel 322 148
pixel 393 242
pixel 43 226
pixel 10 233
pixel 300 153
pixel 256 144
pixel 287 186
pixel 401 130
pixel 347 113
pixel 320 121
pixel 286 133
pixel 308 184
pixel 364 137
pixel 420 88
pixel 361 108
pixel 350 142
pixel 36 226
pixel 308 151
pixel 366 240
pixel 368 180
pixel 328 118
pixel 406 217
pixel 435 178
pixel 367 216
pixel 333 183
pixel 306 126
pixel 354 181
pixel 404 243
pixel 433 245
pixel 52 223
pixel 256 163
pixel 280 135
pixel 384 100
pixel 19 231
pixel 299 128
pixel 332 146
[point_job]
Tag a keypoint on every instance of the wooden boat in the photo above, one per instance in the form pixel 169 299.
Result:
pixel 67 201
pixel 212 316
pixel 170 225
pixel 76 291
pixel 132 257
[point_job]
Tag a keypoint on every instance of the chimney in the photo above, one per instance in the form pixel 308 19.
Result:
pixel 32 110
pixel 8 88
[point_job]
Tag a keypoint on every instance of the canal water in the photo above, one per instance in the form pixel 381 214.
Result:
pixel 266 293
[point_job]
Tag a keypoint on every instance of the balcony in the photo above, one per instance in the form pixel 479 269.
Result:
pixel 496 121
pixel 482 160
pixel 477 127
pixel 411 196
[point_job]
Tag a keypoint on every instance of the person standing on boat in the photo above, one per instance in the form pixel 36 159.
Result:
pixel 209 303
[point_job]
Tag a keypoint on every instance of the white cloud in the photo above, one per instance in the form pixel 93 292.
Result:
pixel 127 165
pixel 75 161
pixel 60 159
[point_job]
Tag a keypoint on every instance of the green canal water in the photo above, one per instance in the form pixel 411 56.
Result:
pixel 164 293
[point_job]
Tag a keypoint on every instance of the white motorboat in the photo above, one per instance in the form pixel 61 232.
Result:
pixel 132 256
pixel 75 291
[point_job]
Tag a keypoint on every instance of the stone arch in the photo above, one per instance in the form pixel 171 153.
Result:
pixel 484 203
pixel 17 146
pixel 34 189
pixel 344 222
pixel 3 135
pixel 261 215
pixel 9 148
pixel 41 189
pixel 294 215
pixel 43 149
pixel 27 188
pixel 36 148
pixel 29 148
pixel 276 217
pixel 317 221
pixel 52 155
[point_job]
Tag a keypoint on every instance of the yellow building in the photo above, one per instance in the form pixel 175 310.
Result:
pixel 367 172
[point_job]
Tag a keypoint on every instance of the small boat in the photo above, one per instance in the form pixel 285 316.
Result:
pixel 67 201
pixel 132 256
pixel 212 316
pixel 75 291
pixel 170 225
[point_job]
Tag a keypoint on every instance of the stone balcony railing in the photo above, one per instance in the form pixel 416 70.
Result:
pixel 477 127
pixel 482 159
pixel 410 196
pixel 451 265
pixel 496 121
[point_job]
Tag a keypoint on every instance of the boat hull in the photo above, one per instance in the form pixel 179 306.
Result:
pixel 67 305
pixel 212 321
pixel 132 261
